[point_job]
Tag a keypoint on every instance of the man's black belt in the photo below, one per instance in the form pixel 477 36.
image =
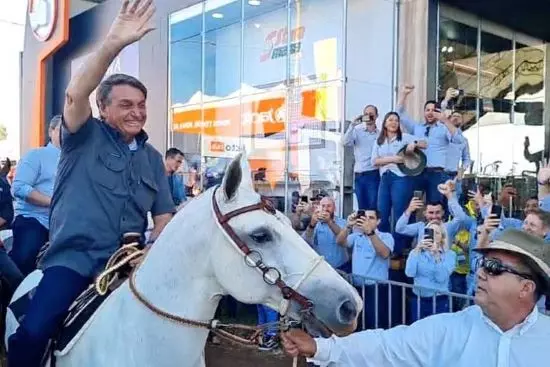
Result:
pixel 364 173
pixel 434 169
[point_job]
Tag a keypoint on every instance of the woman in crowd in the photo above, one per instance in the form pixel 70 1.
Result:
pixel 431 264
pixel 396 189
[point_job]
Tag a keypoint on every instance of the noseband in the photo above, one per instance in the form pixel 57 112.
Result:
pixel 271 276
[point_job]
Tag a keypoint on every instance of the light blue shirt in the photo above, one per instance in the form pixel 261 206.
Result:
pixel 362 141
pixel 324 243
pixel 430 275
pixel 365 262
pixel 460 219
pixel 438 138
pixel 35 171
pixel 462 339
pixel 390 149
pixel 458 152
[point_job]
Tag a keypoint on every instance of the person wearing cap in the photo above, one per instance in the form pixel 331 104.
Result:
pixel 32 189
pixel 361 135
pixel 439 132
pixel 503 328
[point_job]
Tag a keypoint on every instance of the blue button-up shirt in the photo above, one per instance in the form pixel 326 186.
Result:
pixel 365 262
pixel 323 241
pixel 461 339
pixel 438 136
pixel 429 274
pixel 35 171
pixel 390 148
pixel 460 219
pixel 362 141
pixel 458 152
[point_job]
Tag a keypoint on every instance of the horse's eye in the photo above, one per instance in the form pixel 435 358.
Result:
pixel 261 236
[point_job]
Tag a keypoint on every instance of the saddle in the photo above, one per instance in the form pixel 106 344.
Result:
pixel 81 312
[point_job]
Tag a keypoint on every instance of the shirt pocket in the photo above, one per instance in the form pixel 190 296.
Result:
pixel 146 192
pixel 110 170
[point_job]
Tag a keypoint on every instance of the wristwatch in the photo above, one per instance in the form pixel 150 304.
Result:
pixel 370 234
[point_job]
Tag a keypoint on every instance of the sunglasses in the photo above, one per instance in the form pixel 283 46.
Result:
pixel 495 267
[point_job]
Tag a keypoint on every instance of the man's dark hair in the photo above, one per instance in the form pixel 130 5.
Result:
pixel 435 203
pixel 430 101
pixel 172 153
pixel 376 212
pixel 103 95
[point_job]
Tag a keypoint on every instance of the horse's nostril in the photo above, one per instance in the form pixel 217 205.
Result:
pixel 347 312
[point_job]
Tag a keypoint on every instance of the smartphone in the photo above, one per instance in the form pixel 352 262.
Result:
pixel 360 213
pixel 418 194
pixel 429 233
pixel 304 199
pixel 496 210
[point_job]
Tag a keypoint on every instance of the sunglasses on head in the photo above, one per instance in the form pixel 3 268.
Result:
pixel 495 267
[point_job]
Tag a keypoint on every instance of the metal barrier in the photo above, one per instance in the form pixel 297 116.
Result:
pixel 401 295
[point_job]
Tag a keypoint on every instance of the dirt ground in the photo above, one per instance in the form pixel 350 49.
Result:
pixel 228 355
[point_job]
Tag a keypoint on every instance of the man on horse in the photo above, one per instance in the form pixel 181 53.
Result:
pixel 108 179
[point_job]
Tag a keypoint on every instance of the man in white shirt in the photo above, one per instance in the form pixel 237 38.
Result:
pixel 503 329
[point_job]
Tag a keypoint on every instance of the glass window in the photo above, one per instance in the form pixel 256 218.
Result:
pixel 265 34
pixel 458 67
pixel 496 97
pixel 222 49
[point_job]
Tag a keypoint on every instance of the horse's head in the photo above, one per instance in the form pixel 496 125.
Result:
pixel 276 252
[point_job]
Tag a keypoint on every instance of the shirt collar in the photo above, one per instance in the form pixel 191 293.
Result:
pixel 520 328
pixel 51 146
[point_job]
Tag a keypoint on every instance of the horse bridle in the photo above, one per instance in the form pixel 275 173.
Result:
pixel 271 275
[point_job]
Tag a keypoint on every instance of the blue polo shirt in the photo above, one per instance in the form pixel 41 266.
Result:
pixel 104 188
pixel 365 262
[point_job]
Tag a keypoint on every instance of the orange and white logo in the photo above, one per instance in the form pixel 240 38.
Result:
pixel 42 18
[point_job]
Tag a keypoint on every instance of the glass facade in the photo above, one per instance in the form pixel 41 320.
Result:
pixel 280 79
pixel 501 74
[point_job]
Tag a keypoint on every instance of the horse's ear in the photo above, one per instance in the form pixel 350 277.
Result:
pixel 237 175
pixel 232 178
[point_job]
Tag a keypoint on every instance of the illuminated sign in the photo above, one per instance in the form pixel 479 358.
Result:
pixel 276 43
pixel 42 18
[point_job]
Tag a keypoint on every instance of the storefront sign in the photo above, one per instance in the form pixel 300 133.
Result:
pixel 42 18
pixel 264 116
pixel 259 117
pixel 276 43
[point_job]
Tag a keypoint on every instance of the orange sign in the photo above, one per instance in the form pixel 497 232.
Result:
pixel 266 116
pixel 260 117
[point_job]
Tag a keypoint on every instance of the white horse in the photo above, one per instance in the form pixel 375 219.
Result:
pixel 191 265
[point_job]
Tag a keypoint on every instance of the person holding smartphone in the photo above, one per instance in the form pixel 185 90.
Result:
pixel 430 264
pixel 370 262
pixel 321 234
pixel 361 135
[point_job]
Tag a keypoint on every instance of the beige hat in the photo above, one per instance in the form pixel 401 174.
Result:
pixel 533 250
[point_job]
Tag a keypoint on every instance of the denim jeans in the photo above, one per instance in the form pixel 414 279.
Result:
pixel 57 290
pixel 9 272
pixel 366 189
pixel 28 238
pixel 267 316
pixel 427 306
pixel 394 192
